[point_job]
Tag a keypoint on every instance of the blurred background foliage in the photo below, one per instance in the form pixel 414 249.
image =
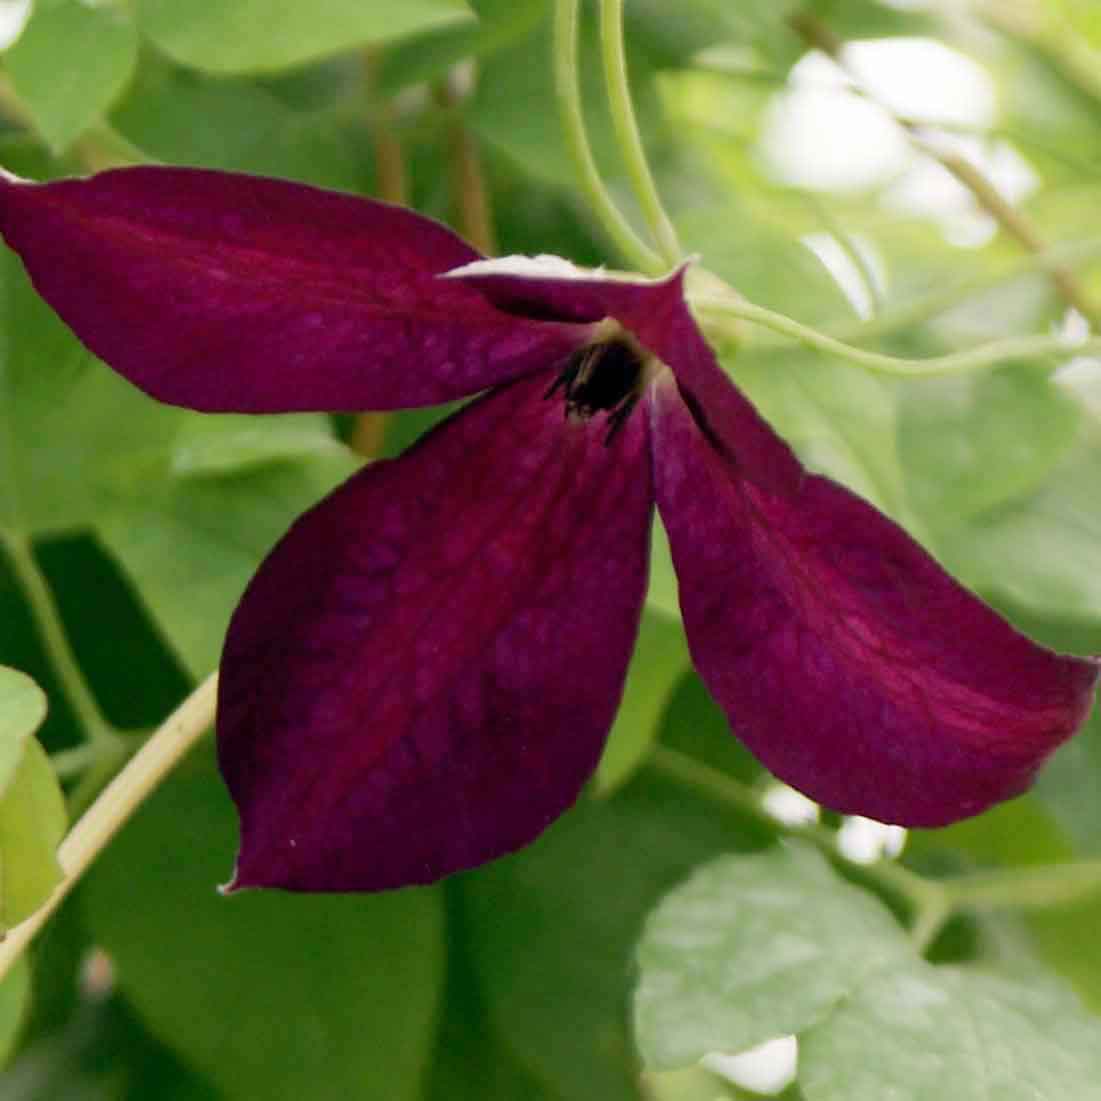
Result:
pixel 819 181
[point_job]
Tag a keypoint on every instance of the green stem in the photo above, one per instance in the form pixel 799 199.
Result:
pixel 955 363
pixel 47 619
pixel 126 792
pixel 627 131
pixel 68 763
pixel 898 881
pixel 929 918
pixel 1026 888
pixel 568 92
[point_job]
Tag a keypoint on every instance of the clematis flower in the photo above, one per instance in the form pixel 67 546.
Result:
pixel 423 672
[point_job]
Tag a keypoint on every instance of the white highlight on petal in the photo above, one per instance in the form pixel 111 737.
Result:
pixel 535 267
pixel 768 1068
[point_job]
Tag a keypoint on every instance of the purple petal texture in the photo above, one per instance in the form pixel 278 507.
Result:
pixel 423 673
pixel 225 292
pixel 845 658
pixel 658 316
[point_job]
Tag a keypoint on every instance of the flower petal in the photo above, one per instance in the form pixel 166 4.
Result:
pixel 235 293
pixel 422 674
pixel 655 311
pixel 846 659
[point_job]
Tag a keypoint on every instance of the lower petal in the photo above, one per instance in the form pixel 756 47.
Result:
pixel 422 674
pixel 847 660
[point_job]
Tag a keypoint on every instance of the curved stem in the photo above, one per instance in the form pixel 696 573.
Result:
pixel 47 619
pixel 126 792
pixel 627 131
pixel 568 92
pixel 955 363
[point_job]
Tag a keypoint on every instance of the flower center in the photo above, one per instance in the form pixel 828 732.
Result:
pixel 602 377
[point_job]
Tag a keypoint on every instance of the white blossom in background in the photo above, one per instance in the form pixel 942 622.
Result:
pixel 865 841
pixel 834 130
pixel 789 806
pixel 13 18
pixel 853 279
pixel 769 1068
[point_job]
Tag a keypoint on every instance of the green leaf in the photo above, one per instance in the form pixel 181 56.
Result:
pixel 245 128
pixel 1022 833
pixel 973 443
pixel 920 1031
pixel 232 444
pixel 661 596
pixel 840 418
pixel 754 947
pixel 22 709
pixel 191 544
pixel 15 996
pixel 32 810
pixel 70 64
pixel 268 994
pixel 553 928
pixel 1068 786
pixel 32 824
pixel 659 660
pixel 239 36
pixel 1043 551
pixel 471 1062
pixel 428 56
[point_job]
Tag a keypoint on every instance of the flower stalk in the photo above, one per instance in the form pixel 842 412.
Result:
pixel 627 131
pixel 568 92
pixel 713 309
pixel 931 902
pixel 118 801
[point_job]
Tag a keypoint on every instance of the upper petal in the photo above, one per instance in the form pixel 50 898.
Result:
pixel 422 674
pixel 848 661
pixel 227 292
pixel 658 315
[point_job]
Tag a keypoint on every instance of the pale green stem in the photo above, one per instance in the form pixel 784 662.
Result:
pixel 627 131
pixel 955 363
pixel 47 619
pixel 568 92
pixel 929 919
pixel 118 801
pixel 1026 888
pixel 899 881
pixel 68 763
pixel 932 902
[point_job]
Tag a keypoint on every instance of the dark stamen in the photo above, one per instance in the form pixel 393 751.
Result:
pixel 601 377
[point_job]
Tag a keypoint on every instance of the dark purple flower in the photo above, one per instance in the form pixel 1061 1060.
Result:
pixel 422 674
